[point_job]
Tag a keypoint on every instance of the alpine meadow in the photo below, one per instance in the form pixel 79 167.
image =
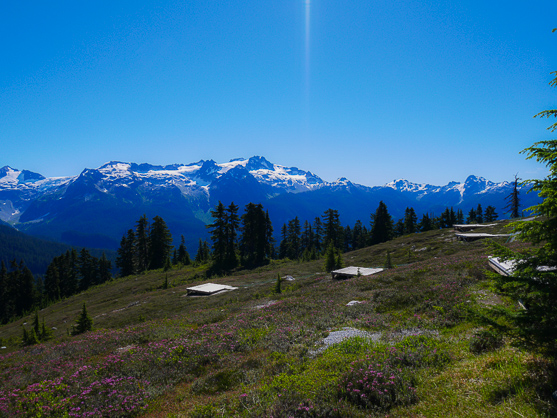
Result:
pixel 178 280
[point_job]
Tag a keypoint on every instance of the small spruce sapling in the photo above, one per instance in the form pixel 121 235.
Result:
pixel 46 333
pixel 278 289
pixel 84 323
pixel 388 261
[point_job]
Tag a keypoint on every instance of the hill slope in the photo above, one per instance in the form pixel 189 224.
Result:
pixel 252 352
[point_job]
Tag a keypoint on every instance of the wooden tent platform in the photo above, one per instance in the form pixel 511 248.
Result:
pixel 473 236
pixel 349 272
pixel 209 289
pixel 470 227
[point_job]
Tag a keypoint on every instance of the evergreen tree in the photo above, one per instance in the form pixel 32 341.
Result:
pixel 388 261
pixel 87 270
pixel 513 200
pixel 333 231
pixel 410 221
pixel 445 219
pixel 141 244
pixel 3 291
pixel 293 239
pixel 283 247
pixel 459 217
pixel 160 243
pixel 83 323
pixel 232 226
pixel 348 244
pixel 10 292
pixel 318 235
pixel 358 236
pixel 52 282
pixel 307 240
pixel 490 214
pixel 219 236
pixel 381 225
pixel 182 256
pixel 126 255
pixel 46 333
pixel 269 239
pixel 534 279
pixel 426 224
pixel 479 214
pixel 69 271
pixel 471 216
pixel 36 323
pixel 25 286
pixel 330 258
pixel 105 266
pixel 167 265
pixel 203 252
pixel 452 217
pixel 30 337
pixel 254 244
pixel 206 251
pixel 398 228
pixel 277 288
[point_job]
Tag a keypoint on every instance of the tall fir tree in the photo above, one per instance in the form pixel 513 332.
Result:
pixel 381 225
pixel 126 254
pixel 283 246
pixel 52 282
pixel 332 228
pixel 471 216
pixel 534 280
pixel 490 214
pixel 426 223
pixel 479 214
pixel 293 239
pixel 318 235
pixel 254 243
pixel 459 217
pixel 182 255
pixel 141 243
pixel 410 221
pixel 105 267
pixel 232 227
pixel 513 199
pixel 160 243
pixel 219 236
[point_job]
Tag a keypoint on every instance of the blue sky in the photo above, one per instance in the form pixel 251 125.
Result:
pixel 371 90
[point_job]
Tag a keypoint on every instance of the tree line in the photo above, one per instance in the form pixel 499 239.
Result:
pixel 310 241
pixel 21 292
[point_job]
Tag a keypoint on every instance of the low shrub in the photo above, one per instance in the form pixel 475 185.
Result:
pixel 484 340
pixel 376 386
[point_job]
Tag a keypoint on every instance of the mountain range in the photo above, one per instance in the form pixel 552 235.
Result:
pixel 95 208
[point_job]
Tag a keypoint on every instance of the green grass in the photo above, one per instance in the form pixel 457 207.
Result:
pixel 251 352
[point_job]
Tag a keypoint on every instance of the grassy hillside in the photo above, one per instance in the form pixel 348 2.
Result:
pixel 416 348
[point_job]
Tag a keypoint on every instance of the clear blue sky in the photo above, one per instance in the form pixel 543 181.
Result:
pixel 371 90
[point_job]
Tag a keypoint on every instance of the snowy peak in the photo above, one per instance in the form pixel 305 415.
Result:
pixel 259 163
pixel 8 174
pixel 402 185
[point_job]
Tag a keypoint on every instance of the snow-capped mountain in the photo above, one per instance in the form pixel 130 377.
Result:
pixel 97 207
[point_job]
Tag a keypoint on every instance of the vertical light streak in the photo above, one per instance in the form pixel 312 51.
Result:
pixel 307 61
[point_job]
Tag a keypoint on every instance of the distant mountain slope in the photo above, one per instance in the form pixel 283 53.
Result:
pixel 37 253
pixel 97 207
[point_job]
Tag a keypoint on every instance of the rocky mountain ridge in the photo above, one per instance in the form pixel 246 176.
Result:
pixel 69 209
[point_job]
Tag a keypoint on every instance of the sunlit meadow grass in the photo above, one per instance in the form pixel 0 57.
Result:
pixel 252 353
